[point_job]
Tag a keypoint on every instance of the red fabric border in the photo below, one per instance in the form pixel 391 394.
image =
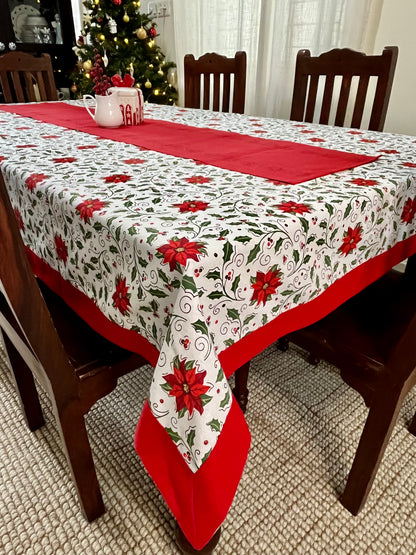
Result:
pixel 88 311
pixel 269 158
pixel 306 314
pixel 199 501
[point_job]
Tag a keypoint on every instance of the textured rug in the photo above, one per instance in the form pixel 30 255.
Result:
pixel 305 425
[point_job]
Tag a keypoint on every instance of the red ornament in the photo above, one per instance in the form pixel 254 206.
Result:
pixel 152 32
pixel 117 2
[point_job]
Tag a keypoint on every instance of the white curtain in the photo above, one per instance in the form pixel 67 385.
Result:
pixel 271 32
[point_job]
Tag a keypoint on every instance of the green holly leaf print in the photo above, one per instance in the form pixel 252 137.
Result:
pixel 226 400
pixel 173 435
pixel 215 425
pixel 190 438
pixel 201 326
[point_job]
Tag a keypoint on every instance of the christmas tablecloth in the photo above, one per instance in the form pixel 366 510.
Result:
pixel 200 268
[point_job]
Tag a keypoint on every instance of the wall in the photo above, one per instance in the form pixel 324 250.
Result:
pixel 397 27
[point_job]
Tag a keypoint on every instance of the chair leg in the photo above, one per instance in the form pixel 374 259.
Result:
pixel 283 343
pixel 373 442
pixel 78 452
pixel 240 390
pixel 25 385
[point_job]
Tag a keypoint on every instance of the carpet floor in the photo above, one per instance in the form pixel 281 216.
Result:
pixel 305 425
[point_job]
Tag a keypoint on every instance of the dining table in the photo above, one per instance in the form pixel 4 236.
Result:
pixel 197 239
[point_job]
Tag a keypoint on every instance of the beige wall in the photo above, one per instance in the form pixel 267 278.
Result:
pixel 397 27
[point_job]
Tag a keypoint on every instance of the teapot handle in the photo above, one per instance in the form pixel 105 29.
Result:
pixel 87 97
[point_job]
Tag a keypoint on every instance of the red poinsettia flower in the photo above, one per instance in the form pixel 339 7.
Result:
pixel 89 206
pixel 409 164
pixel 351 238
pixel 65 160
pixel 34 179
pixel 293 207
pixel 198 179
pixel 364 182
pixel 134 161
pixel 265 286
pixel 192 206
pixel 121 296
pixel 61 249
pixel 19 219
pixel 180 251
pixel 409 211
pixel 117 178
pixel 187 386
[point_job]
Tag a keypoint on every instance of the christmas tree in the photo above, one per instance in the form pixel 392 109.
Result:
pixel 118 39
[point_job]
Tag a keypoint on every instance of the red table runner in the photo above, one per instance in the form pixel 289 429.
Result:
pixel 278 160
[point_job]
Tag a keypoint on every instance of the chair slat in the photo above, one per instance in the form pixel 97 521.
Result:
pixel 327 99
pixel 310 106
pixel 343 100
pixel 359 105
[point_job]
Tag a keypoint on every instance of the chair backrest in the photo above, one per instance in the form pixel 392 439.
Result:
pixel 27 78
pixel 217 71
pixel 348 64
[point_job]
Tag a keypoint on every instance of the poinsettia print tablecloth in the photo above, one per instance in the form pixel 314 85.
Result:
pixel 199 268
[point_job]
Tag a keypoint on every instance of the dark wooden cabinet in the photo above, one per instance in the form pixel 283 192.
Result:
pixel 38 26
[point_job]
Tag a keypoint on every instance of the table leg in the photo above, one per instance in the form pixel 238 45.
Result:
pixel 240 390
pixel 187 549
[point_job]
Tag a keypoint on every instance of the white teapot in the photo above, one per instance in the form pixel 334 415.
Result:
pixel 107 110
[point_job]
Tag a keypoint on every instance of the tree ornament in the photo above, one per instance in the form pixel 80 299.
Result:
pixel 105 59
pixel 152 32
pixel 117 2
pixel 87 65
pixel 141 33
pixel 151 43
pixel 126 18
pixel 126 40
pixel 160 72
pixel 80 41
pixel 112 26
pixel 148 84
pixel 101 38
pixel 74 88
pixel 150 66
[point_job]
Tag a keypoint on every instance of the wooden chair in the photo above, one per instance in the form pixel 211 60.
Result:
pixel 74 365
pixel 346 63
pixel 216 91
pixel 372 340
pixel 26 78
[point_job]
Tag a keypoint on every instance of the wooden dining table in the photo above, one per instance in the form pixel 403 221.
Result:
pixel 197 239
